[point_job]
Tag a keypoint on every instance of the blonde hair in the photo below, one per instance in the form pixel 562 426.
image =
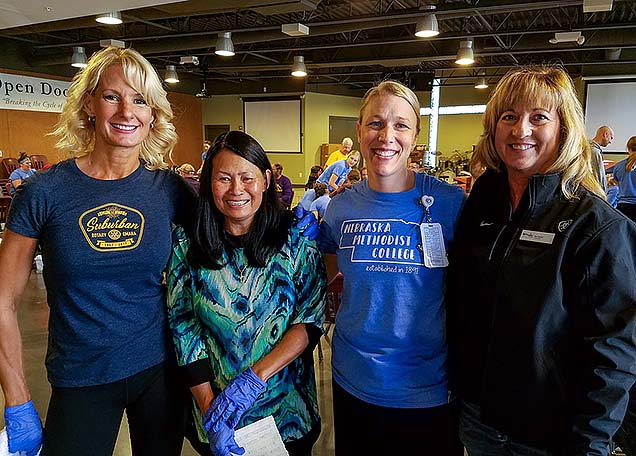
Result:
pixel 393 88
pixel 76 133
pixel 186 168
pixel 551 88
pixel 631 150
pixel 354 153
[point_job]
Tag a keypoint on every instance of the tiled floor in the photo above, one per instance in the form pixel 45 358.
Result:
pixel 33 317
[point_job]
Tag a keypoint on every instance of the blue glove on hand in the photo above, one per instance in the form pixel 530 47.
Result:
pixel 230 405
pixel 307 223
pixel 24 428
pixel 222 441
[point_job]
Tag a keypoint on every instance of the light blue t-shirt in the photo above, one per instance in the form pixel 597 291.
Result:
pixel 320 204
pixel 308 197
pixel 389 346
pixel 18 174
pixel 340 169
pixel 626 183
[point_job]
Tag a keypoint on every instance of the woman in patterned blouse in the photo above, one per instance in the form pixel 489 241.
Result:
pixel 246 304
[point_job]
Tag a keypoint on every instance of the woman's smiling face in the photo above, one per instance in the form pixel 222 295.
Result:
pixel 387 131
pixel 237 189
pixel 527 139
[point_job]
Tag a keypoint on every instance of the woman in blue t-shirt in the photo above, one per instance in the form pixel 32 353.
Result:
pixel 103 220
pixel 391 392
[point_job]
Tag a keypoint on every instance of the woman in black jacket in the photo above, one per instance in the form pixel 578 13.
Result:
pixel 544 346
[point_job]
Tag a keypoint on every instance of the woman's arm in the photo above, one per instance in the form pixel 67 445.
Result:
pixel 288 349
pixel 333 179
pixel 16 259
pixel 16 183
pixel 203 395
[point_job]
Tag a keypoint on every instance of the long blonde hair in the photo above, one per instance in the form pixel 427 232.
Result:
pixel 548 86
pixel 76 134
pixel 631 150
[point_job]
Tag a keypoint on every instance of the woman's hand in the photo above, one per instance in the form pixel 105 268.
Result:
pixel 222 442
pixel 229 406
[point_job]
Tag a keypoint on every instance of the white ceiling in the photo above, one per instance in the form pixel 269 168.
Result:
pixel 15 13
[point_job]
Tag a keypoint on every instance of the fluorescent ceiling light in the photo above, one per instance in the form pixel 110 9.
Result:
pixel 426 27
pixel 171 75
pixel 224 45
pixel 299 69
pixel 78 60
pixel 112 18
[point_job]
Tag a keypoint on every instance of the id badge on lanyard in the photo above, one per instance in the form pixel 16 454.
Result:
pixel 432 236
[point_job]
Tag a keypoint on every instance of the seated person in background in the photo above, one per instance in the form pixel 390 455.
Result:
pixel 363 173
pixel 612 191
pixel 283 185
pixel 353 177
pixel 340 154
pixel 314 173
pixel 336 174
pixel 189 174
pixel 22 173
pixel 319 205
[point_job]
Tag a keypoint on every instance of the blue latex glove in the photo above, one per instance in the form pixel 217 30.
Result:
pixel 307 223
pixel 222 441
pixel 24 428
pixel 230 405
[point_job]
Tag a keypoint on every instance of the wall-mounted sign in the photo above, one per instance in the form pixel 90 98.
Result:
pixel 26 93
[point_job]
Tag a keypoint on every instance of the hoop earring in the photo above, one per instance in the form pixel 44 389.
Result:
pixel 152 125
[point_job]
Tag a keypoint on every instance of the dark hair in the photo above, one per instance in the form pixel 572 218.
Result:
pixel 23 157
pixel 268 232
pixel 313 175
pixel 320 188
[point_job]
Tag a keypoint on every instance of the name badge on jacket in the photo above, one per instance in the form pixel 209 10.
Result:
pixel 537 236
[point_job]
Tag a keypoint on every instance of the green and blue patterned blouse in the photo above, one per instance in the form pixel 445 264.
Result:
pixel 236 315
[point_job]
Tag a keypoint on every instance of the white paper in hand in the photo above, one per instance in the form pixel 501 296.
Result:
pixel 261 439
pixel 4 445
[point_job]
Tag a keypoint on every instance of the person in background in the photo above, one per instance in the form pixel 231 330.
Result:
pixel 319 204
pixel 603 138
pixel 340 154
pixel 314 173
pixel 391 392
pixel 246 303
pixel 22 173
pixel 612 191
pixel 189 175
pixel 363 173
pixel 104 222
pixel 541 292
pixel 336 174
pixel 352 178
pixel 284 188
pixel 414 166
pixel 625 173
pixel 204 154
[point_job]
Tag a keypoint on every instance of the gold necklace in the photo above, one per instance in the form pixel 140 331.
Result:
pixel 241 270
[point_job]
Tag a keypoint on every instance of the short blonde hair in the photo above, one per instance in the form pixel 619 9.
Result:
pixel 75 132
pixel 551 88
pixel 389 87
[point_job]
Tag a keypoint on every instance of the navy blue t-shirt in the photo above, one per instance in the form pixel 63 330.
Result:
pixel 105 245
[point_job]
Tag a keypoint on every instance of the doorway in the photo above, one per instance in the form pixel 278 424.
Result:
pixel 212 131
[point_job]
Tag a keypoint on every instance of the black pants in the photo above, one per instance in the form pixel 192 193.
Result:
pixel 86 421
pixel 366 429
pixel 300 447
pixel 628 209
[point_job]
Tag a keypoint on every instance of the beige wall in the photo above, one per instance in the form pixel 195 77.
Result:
pixel 228 109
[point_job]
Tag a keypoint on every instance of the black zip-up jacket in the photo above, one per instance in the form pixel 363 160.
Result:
pixel 541 313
